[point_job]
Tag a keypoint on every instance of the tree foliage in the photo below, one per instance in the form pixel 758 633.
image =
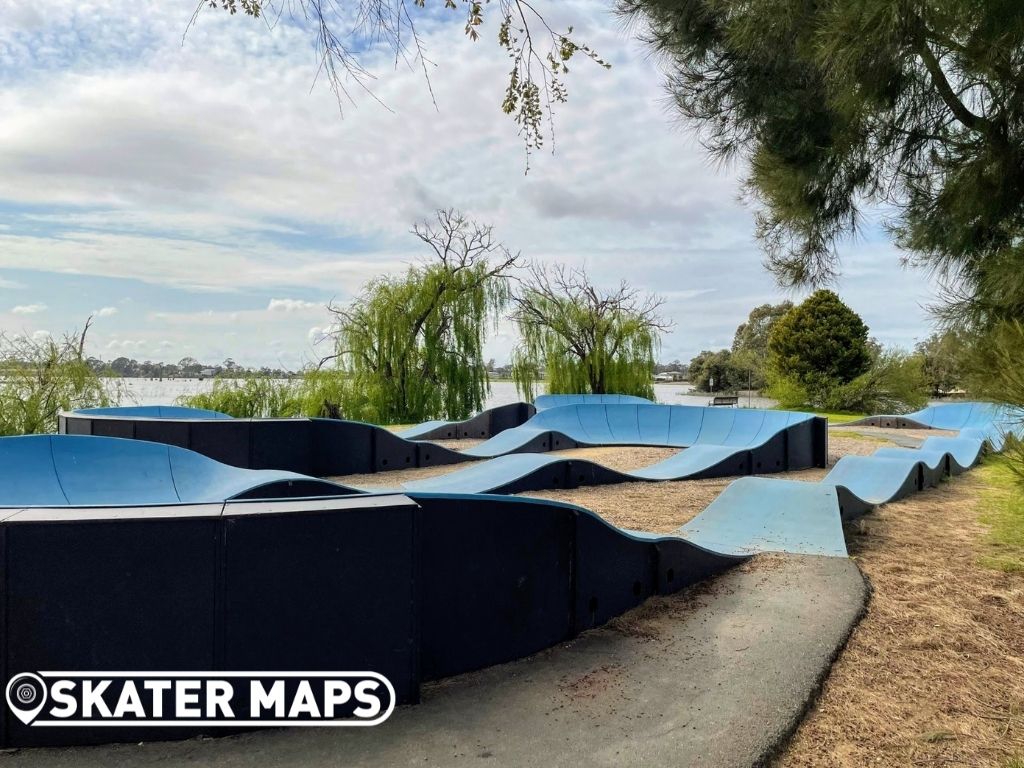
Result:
pixel 584 339
pixel 945 360
pixel 819 342
pixel 253 396
pixel 914 107
pixel 42 377
pixel 318 392
pixel 750 342
pixel 345 30
pixel 412 345
pixel 895 383
pixel 717 367
pixel 819 356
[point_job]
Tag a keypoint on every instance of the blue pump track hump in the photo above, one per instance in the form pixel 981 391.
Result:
pixel 153 412
pixel 71 470
pixel 487 423
pixel 543 402
pixel 718 442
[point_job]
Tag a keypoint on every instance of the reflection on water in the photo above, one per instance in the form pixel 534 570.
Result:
pixel 166 391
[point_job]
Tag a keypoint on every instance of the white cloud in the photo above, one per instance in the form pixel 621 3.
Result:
pixel 28 309
pixel 126 344
pixel 292 305
pixel 40 335
pixel 105 312
pixel 213 167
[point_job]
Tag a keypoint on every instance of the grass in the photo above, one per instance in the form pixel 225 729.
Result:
pixel 1003 505
pixel 841 418
pixel 833 418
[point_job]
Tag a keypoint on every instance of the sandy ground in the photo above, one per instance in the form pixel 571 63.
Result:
pixel 657 507
pixel 934 675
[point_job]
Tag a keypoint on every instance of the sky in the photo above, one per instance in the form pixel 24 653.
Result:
pixel 203 195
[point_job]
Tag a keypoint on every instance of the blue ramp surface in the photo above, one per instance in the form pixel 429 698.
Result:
pixel 756 514
pixel 154 412
pixel 719 442
pixel 485 424
pixel 63 470
pixel 543 402
pixel 670 426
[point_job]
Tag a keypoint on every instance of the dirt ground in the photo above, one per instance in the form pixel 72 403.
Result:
pixel 658 507
pixel 934 674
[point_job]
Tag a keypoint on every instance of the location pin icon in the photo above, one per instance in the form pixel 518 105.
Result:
pixel 26 696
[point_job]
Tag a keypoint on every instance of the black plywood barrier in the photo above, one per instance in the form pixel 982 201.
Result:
pixel 614 573
pixel 320 447
pixel 229 441
pixel 496 581
pixel 414 588
pixel 342 447
pixel 285 444
pixel 320 587
pixel 107 594
pixel 163 431
pixel 485 424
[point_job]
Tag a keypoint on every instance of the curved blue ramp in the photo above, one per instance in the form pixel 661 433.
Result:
pixel 543 402
pixel 153 412
pixel 74 470
pixel 756 514
pixel 719 442
pixel 670 426
pixel 487 423
pixel 950 416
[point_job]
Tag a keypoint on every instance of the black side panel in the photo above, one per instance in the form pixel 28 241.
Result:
pixel 807 444
pixel 112 595
pixel 162 431
pixel 392 452
pixel 114 428
pixel 613 573
pixel 226 440
pixel 773 455
pixel 496 581
pixel 342 447
pixel 681 564
pixel 323 591
pixel 430 454
pixel 508 416
pixel 77 425
pixel 285 444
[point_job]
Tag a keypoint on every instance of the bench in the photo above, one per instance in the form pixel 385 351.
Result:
pixel 732 400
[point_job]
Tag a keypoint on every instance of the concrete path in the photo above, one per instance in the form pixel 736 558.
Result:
pixel 718 675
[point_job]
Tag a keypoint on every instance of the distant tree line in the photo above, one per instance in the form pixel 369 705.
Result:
pixel 186 368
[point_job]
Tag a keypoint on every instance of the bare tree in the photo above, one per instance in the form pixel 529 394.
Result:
pixel 585 339
pixel 413 345
pixel 343 30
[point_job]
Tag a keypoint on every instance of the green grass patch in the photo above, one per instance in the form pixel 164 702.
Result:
pixel 841 418
pixel 833 418
pixel 1002 502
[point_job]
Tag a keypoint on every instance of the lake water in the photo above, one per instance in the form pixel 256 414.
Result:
pixel 166 391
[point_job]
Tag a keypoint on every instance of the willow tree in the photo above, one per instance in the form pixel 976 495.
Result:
pixel 40 376
pixel 583 339
pixel 412 345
